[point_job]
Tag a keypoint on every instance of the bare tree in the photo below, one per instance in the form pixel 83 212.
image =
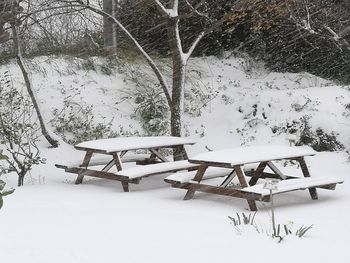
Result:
pixel 9 10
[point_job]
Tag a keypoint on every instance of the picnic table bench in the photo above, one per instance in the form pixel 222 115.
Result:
pixel 114 152
pixel 232 162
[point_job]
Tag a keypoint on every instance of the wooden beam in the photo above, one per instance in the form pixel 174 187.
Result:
pixel 117 161
pixel 220 191
pixel 85 164
pixel 159 155
pixel 277 171
pixel 101 174
pixel 228 179
pixel 243 182
pixel 198 177
pixel 257 173
pixel 306 173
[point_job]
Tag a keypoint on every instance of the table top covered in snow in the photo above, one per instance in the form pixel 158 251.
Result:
pixel 132 143
pixel 251 154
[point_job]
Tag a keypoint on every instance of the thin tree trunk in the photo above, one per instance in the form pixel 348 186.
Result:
pixel 20 62
pixel 108 25
pixel 178 85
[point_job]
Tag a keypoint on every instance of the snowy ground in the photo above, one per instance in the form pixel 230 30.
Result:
pixel 52 220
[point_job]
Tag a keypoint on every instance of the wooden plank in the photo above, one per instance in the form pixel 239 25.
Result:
pixel 243 182
pixel 220 191
pixel 85 163
pixel 215 164
pixel 117 161
pixel 306 173
pixel 101 174
pixel 198 177
pixel 257 173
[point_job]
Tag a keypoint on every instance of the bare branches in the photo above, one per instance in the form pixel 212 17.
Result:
pixel 149 60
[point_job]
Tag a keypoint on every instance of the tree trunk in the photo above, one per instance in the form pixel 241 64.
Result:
pixel 109 28
pixel 20 180
pixel 20 62
pixel 178 86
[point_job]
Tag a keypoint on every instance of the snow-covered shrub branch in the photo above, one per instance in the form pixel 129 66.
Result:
pixel 19 132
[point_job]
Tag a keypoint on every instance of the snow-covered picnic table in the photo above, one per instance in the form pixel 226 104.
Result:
pixel 115 152
pixel 230 162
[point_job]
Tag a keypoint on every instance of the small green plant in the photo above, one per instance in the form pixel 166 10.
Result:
pixel 243 220
pixel 279 232
pixel 4 192
pixel 153 111
pixel 302 230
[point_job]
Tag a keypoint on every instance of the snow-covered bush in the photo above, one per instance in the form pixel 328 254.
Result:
pixel 19 131
pixel 75 122
pixel 152 111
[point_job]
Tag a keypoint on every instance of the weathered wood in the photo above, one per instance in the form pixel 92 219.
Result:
pixel 101 174
pixel 125 186
pixel 85 163
pixel 117 161
pixel 277 171
pixel 257 173
pixel 219 191
pixel 198 177
pixel 228 179
pixel 306 173
pixel 108 166
pixel 159 155
pixel 215 164
pixel 243 182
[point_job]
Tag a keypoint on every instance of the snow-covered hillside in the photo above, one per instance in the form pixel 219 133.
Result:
pixel 230 102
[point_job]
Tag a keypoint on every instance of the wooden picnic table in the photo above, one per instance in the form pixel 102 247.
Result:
pixel 114 153
pixel 230 163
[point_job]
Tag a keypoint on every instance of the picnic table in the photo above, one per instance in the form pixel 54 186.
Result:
pixel 115 152
pixel 230 163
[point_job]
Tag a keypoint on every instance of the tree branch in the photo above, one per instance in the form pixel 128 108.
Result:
pixel 149 60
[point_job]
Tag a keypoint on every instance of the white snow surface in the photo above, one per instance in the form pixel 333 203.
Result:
pixel 133 143
pixel 50 219
pixel 253 154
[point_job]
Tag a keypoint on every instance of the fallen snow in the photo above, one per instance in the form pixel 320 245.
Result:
pixel 253 154
pixel 294 184
pixel 52 220
pixel 133 143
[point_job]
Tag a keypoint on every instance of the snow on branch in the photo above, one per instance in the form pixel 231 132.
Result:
pixel 165 11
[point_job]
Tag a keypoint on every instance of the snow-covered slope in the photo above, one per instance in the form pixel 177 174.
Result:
pixel 52 220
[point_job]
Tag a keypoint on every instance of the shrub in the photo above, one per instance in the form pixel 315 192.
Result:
pixel 18 129
pixel 75 123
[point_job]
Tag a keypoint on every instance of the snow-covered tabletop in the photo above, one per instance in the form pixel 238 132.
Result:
pixel 252 154
pixel 132 143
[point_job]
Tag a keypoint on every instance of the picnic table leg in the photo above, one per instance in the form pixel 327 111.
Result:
pixel 85 164
pixel 243 182
pixel 198 177
pixel 306 173
pixel 125 186
pixel 257 173
pixel 118 164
